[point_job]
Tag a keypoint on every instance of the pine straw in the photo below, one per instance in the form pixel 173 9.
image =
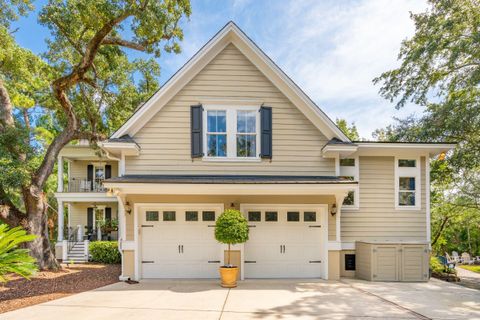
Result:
pixel 51 285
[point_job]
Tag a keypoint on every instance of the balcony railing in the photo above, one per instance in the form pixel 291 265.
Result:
pixel 85 185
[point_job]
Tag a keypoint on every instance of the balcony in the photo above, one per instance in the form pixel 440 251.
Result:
pixel 85 185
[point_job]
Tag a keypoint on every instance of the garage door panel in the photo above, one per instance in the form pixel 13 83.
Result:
pixel 180 248
pixel 285 249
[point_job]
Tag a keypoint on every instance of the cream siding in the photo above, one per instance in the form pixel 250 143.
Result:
pixel 377 218
pixel 78 212
pixel 78 168
pixel 165 139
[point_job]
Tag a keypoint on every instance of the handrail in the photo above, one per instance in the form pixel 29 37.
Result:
pixel 82 184
pixel 72 239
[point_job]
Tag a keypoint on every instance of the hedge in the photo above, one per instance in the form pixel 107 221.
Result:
pixel 105 252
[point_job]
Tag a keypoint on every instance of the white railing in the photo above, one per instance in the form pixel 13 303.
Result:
pixel 85 185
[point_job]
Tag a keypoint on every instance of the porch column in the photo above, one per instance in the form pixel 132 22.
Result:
pixel 60 174
pixel 60 221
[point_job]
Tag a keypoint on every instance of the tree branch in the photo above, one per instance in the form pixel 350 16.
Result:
pixel 9 213
pixel 124 43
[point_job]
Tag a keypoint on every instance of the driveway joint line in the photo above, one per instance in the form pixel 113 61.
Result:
pixel 414 313
pixel 224 304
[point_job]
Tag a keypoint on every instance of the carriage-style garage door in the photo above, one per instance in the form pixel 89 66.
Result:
pixel 286 241
pixel 177 241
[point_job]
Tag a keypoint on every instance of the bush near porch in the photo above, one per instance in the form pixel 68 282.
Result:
pixel 105 252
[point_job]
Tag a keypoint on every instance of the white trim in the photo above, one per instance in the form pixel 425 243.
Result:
pixel 128 245
pixel 60 173
pixel 323 222
pixel 230 189
pixel 84 197
pixel 154 205
pixel 407 172
pixel 427 198
pixel 348 245
pixel 231 34
pixel 334 245
pixel 121 165
pixel 381 145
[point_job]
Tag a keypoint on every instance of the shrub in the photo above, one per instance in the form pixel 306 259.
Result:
pixel 105 252
pixel 231 228
pixel 13 259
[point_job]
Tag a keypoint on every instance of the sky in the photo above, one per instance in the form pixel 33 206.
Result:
pixel 331 49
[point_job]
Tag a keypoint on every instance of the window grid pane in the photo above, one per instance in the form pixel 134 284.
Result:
pixel 254 216
pixel 271 216
pixel 406 198
pixel 208 215
pixel 407 163
pixel 151 216
pixel 293 216
pixel 309 216
pixel 246 145
pixel 217 145
pixel 169 216
pixel 406 183
pixel 349 199
pixel 349 162
pixel 191 216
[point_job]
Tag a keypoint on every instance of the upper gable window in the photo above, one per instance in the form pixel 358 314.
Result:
pixel 407 183
pixel 232 132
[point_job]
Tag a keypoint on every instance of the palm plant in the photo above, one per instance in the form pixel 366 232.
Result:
pixel 12 258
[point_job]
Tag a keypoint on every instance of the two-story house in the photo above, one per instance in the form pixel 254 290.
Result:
pixel 231 130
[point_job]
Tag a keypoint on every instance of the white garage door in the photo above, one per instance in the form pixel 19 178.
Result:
pixel 286 242
pixel 177 241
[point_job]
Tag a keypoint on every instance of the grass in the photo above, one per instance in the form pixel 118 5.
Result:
pixel 471 268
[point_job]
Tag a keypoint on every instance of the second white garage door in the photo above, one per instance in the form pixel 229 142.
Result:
pixel 287 241
pixel 177 241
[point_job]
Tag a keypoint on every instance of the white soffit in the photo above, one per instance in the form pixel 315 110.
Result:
pixel 231 34
pixel 386 148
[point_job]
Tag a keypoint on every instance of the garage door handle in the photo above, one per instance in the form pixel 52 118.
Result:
pixel 249 261
pixel 214 261
pixel 315 261
pixel 318 226
pixel 147 261
pixel 252 226
pixel 147 225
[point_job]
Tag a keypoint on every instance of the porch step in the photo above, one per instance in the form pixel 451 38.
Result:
pixel 76 253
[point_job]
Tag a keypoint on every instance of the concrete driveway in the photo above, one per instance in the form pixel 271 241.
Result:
pixel 263 299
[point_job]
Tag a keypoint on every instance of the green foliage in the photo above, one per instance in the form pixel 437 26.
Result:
pixel 471 268
pixel 231 227
pixel 350 131
pixel 10 10
pixel 105 252
pixel 108 225
pixel 12 258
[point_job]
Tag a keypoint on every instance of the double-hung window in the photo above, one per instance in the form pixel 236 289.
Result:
pixel 232 132
pixel 349 168
pixel 407 183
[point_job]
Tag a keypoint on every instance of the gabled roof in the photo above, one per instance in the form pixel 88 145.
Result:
pixel 231 33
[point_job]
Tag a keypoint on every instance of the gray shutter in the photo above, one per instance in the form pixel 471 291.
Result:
pixel 266 132
pixel 90 175
pixel 90 219
pixel 108 171
pixel 196 127
pixel 108 214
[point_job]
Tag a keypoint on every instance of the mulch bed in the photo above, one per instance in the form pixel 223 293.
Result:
pixel 50 285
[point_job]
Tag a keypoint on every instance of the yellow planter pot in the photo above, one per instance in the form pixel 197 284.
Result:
pixel 228 277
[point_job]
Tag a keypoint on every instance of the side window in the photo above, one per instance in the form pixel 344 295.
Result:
pixel 407 183
pixel 349 168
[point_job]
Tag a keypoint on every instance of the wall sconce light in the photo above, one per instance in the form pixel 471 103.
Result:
pixel 333 210
pixel 128 209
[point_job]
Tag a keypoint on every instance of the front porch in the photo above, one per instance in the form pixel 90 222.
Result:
pixel 87 219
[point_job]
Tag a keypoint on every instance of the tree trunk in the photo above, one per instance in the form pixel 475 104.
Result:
pixel 37 224
pixel 440 230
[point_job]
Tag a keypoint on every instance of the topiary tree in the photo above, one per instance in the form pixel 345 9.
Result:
pixel 13 259
pixel 231 228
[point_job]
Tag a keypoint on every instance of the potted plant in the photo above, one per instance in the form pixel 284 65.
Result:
pixel 231 228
